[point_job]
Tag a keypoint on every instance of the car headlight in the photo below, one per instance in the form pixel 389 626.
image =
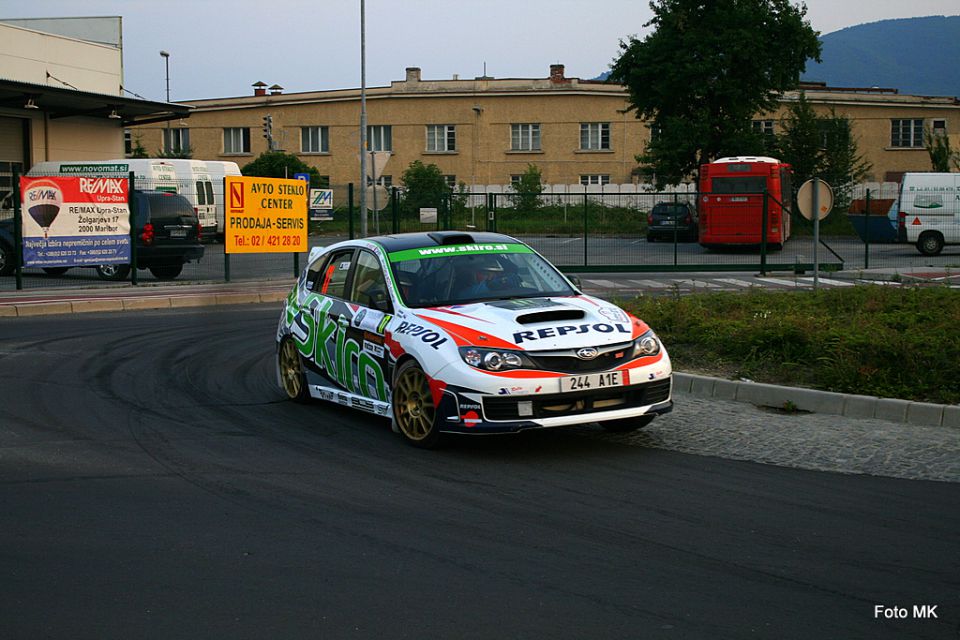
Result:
pixel 646 345
pixel 494 359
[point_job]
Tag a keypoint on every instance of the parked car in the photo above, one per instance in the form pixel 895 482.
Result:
pixel 450 332
pixel 168 236
pixel 669 220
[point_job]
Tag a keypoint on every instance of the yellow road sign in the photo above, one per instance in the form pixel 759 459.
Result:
pixel 265 215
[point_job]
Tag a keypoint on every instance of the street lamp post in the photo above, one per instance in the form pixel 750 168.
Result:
pixel 166 59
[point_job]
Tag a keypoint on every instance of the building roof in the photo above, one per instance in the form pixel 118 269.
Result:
pixel 61 102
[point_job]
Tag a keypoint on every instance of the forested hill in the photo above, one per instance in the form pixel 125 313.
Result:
pixel 914 55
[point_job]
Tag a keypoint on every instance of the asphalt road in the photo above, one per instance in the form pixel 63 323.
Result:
pixel 155 484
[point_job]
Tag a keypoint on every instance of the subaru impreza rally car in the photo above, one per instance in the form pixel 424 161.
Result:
pixel 450 332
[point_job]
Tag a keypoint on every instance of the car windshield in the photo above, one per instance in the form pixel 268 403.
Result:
pixel 461 274
pixel 670 209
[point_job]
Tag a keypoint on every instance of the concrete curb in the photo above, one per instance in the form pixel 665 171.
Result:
pixel 826 402
pixel 129 303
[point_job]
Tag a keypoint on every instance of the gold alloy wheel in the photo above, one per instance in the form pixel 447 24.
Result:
pixel 291 371
pixel 414 405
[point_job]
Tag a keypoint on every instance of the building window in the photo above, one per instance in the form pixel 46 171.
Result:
pixel 906 133
pixel 451 181
pixel 236 140
pixel 594 179
pixel 594 136
pixel 384 181
pixel 324 182
pixel 379 138
pixel 764 127
pixel 176 141
pixel 314 140
pixel 525 137
pixel 127 143
pixel 515 179
pixel 441 137
pixel 939 126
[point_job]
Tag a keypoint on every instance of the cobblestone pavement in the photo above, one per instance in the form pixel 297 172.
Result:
pixel 741 431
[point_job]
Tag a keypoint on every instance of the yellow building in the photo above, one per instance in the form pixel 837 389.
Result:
pixel 486 131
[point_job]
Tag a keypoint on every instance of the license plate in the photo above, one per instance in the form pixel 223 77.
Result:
pixel 668 223
pixel 178 233
pixel 594 381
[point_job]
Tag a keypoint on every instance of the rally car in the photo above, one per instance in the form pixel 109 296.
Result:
pixel 451 332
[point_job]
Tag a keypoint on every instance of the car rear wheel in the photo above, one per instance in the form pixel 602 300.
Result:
pixel 7 264
pixel 626 425
pixel 113 272
pixel 166 271
pixel 291 372
pixel 414 415
pixel 930 243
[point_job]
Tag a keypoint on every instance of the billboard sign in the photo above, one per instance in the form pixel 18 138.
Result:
pixel 265 215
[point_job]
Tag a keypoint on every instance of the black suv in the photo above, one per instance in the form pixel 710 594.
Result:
pixel 669 220
pixel 168 236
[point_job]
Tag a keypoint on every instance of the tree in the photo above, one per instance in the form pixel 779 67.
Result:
pixel 938 146
pixel 138 150
pixel 706 70
pixel 424 186
pixel 823 146
pixel 277 164
pixel 527 190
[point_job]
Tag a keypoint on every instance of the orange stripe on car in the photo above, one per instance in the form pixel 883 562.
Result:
pixel 467 337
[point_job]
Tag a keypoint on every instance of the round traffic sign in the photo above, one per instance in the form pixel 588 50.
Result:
pixel 824 199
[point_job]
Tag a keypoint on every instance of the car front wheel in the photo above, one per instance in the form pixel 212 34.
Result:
pixel 414 415
pixel 626 425
pixel 113 272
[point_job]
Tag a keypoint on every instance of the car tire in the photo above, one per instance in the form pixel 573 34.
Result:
pixel 930 243
pixel 651 238
pixel 292 376
pixel 113 272
pixel 626 425
pixel 414 415
pixel 166 271
pixel 7 263
pixel 55 271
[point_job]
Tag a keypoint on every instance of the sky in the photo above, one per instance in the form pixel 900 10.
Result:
pixel 219 48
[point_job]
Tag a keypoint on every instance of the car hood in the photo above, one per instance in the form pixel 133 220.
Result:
pixel 536 324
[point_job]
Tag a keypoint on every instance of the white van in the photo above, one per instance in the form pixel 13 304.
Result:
pixel 218 170
pixel 928 211
pixel 188 178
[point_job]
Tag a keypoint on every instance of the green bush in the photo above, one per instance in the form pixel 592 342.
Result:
pixel 881 341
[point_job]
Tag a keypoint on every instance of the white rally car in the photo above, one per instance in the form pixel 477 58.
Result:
pixel 450 332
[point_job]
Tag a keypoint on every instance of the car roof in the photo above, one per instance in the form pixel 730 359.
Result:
pixel 403 241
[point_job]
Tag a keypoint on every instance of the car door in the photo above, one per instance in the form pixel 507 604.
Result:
pixel 328 317
pixel 369 303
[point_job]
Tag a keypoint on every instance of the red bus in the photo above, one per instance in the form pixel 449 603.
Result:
pixel 731 201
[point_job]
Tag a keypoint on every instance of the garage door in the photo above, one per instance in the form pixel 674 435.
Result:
pixel 11 158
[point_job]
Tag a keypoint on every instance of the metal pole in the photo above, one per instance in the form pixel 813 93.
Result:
pixel 816 232
pixel 132 196
pixel 226 256
pixel 675 225
pixel 395 209
pixel 585 227
pixel 763 232
pixel 866 234
pixel 166 60
pixel 17 230
pixel 350 209
pixel 363 122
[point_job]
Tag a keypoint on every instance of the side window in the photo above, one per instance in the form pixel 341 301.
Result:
pixel 369 287
pixel 332 280
pixel 201 194
pixel 209 188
